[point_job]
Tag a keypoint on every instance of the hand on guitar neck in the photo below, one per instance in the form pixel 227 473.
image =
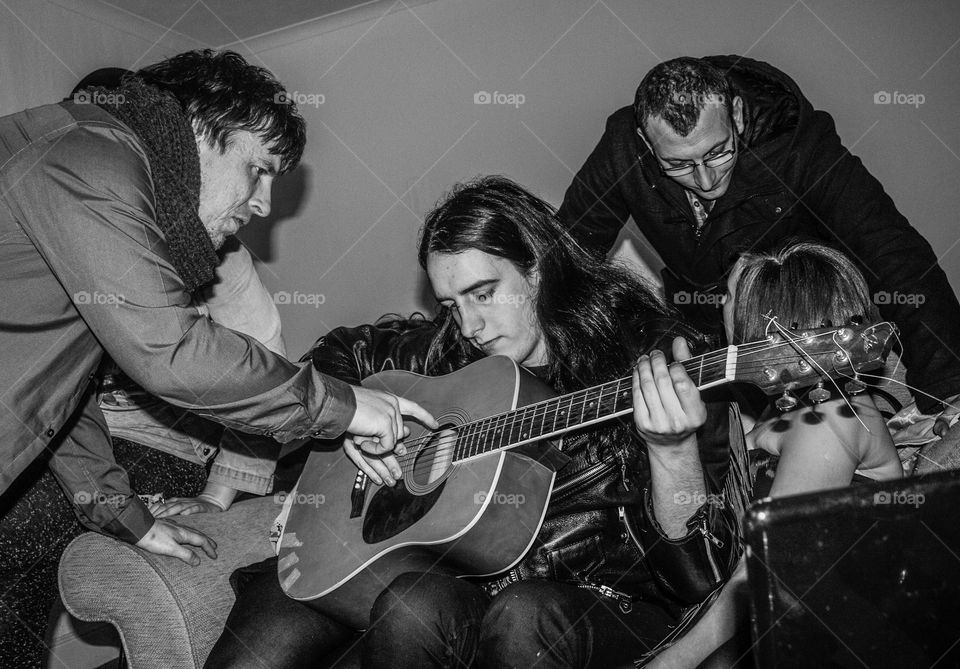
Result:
pixel 668 411
pixel 377 428
pixel 667 408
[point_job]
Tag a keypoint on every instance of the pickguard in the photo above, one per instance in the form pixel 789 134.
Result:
pixel 393 510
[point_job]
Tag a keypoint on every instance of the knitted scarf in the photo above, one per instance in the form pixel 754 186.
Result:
pixel 158 121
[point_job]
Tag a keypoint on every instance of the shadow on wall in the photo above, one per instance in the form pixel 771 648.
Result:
pixel 289 193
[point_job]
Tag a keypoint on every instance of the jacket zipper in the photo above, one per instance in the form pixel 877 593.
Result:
pixel 709 538
pixel 624 601
pixel 588 474
pixel 622 512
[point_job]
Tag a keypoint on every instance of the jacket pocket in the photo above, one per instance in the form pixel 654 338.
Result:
pixel 577 561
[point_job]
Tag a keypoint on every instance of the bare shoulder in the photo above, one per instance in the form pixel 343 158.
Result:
pixel 854 422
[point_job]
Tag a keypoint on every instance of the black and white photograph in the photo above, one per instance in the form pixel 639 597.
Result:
pixel 533 334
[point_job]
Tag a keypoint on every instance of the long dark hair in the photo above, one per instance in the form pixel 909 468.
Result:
pixel 585 308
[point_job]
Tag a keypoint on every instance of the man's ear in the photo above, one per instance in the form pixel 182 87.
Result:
pixel 738 114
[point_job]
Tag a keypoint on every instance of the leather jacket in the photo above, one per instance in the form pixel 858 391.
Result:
pixel 599 530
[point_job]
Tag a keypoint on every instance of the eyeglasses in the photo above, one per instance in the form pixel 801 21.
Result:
pixel 716 160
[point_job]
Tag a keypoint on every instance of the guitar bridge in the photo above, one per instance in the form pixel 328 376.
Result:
pixel 359 494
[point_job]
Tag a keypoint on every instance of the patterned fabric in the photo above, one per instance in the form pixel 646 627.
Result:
pixel 165 132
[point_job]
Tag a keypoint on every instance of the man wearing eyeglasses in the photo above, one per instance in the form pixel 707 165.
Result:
pixel 723 155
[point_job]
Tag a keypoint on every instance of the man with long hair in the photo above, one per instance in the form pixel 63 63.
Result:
pixel 628 541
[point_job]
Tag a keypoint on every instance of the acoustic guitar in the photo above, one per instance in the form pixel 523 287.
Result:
pixel 474 493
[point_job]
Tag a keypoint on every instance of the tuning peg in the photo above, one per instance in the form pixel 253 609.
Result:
pixel 854 386
pixel 786 402
pixel 819 394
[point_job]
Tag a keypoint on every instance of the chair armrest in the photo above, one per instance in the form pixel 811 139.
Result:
pixel 168 613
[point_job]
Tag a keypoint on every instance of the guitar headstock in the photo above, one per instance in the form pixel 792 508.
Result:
pixel 788 360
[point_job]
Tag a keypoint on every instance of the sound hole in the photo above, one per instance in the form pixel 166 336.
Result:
pixel 435 457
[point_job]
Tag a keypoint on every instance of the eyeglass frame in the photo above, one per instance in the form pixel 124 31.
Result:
pixel 728 155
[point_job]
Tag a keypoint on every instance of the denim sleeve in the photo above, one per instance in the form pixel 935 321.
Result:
pixel 96 180
pixel 245 462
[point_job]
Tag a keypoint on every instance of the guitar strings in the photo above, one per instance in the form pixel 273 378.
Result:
pixel 599 400
pixel 530 414
pixel 595 395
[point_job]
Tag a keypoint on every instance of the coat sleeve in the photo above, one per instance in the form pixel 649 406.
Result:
pixel 93 222
pixel 593 208
pixel 84 466
pixel 688 568
pixel 905 279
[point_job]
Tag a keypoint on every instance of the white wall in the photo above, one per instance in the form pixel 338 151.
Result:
pixel 398 120
pixel 398 124
pixel 47 47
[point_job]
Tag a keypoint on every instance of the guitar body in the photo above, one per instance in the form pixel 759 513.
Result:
pixel 472 499
pixel 475 518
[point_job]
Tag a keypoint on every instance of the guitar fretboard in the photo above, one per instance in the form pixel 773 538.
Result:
pixel 583 407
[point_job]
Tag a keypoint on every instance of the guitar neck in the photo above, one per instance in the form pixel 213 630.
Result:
pixel 562 414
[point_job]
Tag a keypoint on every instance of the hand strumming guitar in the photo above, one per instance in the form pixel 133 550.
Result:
pixel 377 428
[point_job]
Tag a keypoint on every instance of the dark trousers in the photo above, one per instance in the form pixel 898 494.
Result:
pixel 427 620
